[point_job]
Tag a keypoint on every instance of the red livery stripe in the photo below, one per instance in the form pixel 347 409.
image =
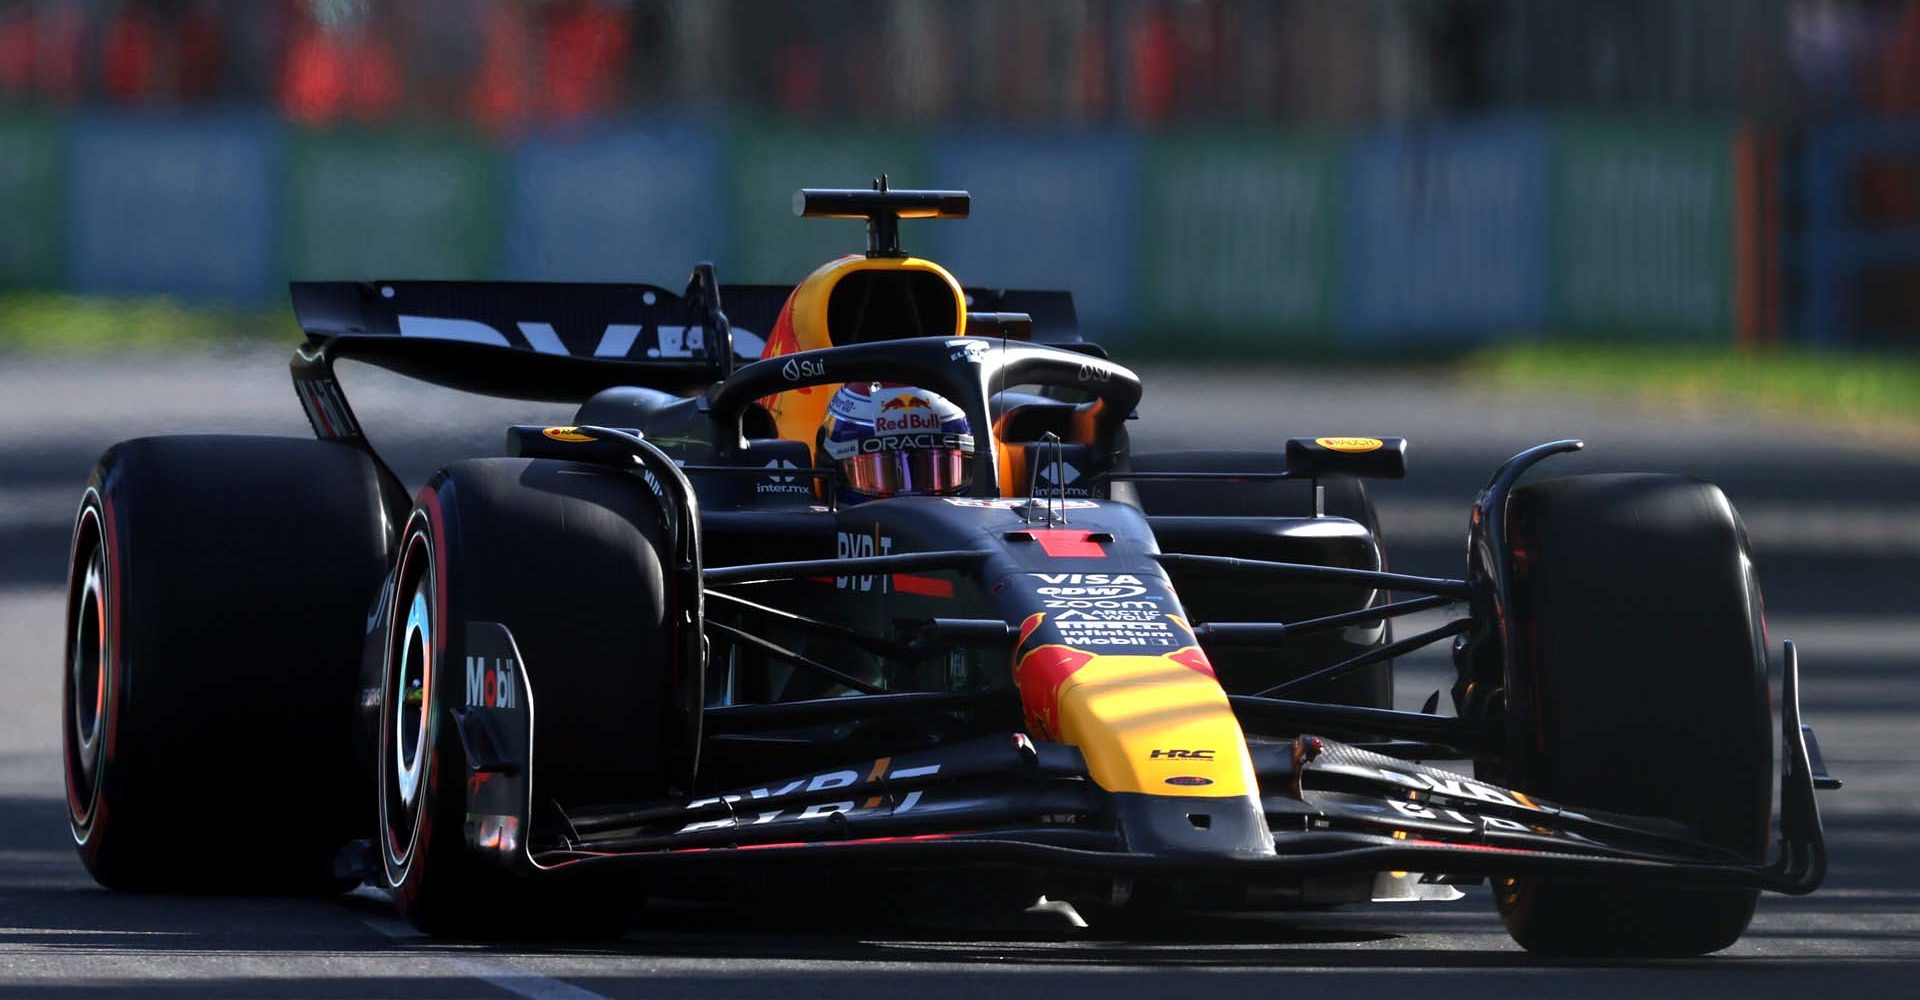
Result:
pixel 1065 543
pixel 915 838
pixel 1490 848
pixel 925 586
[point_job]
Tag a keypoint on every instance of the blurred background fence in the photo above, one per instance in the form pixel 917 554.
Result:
pixel 1317 173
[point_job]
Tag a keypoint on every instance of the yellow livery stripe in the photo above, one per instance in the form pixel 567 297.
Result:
pixel 1152 725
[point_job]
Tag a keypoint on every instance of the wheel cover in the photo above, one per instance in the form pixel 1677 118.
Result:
pixel 406 728
pixel 89 674
pixel 416 648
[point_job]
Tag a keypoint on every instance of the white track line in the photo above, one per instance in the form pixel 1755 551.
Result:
pixel 495 972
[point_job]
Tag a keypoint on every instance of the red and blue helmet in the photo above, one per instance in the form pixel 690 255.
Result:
pixel 891 440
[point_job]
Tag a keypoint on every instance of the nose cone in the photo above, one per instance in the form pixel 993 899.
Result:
pixel 1154 725
pixel 1231 825
pixel 1159 733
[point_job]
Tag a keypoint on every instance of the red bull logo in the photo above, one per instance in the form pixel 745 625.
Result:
pixel 904 413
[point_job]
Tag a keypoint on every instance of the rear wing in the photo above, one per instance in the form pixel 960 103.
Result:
pixel 528 340
pixel 565 341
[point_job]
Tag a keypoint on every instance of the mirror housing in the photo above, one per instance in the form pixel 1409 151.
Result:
pixel 1368 457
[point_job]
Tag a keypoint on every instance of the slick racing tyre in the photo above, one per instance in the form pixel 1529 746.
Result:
pixel 216 598
pixel 1248 668
pixel 568 558
pixel 1643 668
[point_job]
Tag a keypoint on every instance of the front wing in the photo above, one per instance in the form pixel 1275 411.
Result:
pixel 1005 801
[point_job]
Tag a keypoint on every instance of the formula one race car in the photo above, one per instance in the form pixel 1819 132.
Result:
pixel 859 586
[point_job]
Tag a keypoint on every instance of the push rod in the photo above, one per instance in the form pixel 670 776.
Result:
pixel 1273 633
pixel 1308 716
pixel 862 566
pixel 1368 658
pixel 797 659
pixel 729 719
pixel 871 643
pixel 1324 574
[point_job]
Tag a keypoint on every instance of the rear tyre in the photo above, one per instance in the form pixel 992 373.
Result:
pixel 1643 668
pixel 1344 497
pixel 216 598
pixel 568 558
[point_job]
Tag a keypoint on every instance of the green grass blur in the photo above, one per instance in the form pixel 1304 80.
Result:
pixel 53 323
pixel 1869 392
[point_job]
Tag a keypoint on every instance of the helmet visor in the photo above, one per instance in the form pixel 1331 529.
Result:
pixel 916 472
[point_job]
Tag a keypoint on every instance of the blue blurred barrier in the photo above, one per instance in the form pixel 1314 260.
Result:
pixel 1049 211
pixel 641 202
pixel 177 204
pixel 1446 233
pixel 1842 245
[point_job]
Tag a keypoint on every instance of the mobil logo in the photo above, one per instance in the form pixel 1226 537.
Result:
pixel 490 682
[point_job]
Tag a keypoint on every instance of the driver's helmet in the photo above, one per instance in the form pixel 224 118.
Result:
pixel 890 440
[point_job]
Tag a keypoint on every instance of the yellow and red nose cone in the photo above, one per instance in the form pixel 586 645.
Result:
pixel 1155 725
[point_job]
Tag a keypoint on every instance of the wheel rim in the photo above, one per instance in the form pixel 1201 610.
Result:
pixel 407 726
pixel 88 673
pixel 416 648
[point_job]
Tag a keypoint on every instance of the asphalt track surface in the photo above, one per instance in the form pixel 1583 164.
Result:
pixel 1836 527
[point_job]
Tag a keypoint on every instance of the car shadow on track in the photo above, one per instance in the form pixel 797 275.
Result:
pixel 1404 938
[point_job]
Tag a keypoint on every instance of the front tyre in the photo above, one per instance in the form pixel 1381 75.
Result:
pixel 1642 666
pixel 568 558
